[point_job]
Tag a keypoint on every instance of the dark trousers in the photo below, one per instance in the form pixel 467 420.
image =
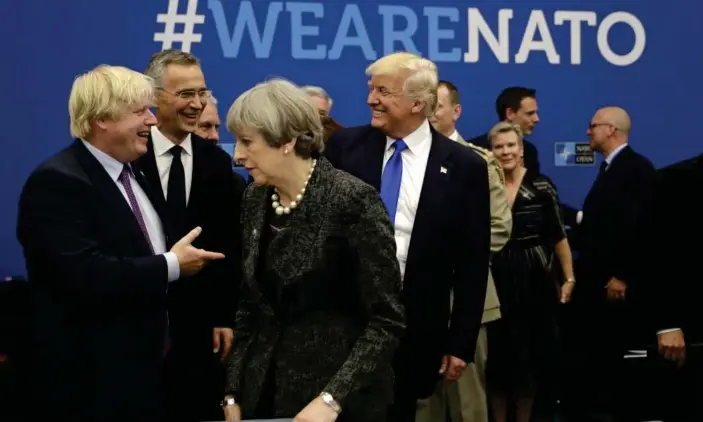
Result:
pixel 193 386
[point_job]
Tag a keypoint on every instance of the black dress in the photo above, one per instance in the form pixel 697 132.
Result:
pixel 523 343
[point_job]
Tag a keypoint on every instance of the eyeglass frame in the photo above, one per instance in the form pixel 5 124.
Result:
pixel 202 93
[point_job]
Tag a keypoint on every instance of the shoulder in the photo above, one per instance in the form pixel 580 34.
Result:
pixel 543 185
pixel 638 160
pixel 210 151
pixel 61 167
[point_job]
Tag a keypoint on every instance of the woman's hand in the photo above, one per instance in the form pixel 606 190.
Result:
pixel 566 291
pixel 233 413
pixel 316 411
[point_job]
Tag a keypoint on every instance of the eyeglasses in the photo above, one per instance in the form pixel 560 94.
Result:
pixel 190 94
pixel 595 125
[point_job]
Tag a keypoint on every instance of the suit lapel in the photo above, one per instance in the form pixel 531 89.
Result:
pixel 198 176
pixel 437 177
pixel 367 162
pixel 108 189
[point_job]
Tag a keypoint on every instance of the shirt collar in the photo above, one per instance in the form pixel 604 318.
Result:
pixel 454 136
pixel 162 144
pixel 111 165
pixel 417 140
pixel 609 159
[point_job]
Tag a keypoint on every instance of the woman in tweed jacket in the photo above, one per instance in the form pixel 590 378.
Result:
pixel 319 316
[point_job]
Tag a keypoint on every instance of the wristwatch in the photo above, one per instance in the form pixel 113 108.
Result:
pixel 331 402
pixel 228 401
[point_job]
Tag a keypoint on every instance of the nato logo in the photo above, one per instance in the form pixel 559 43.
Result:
pixel 569 154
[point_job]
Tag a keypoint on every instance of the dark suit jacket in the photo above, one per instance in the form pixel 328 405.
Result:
pixel 611 218
pixel 449 248
pixel 336 317
pixel 673 251
pixel 98 294
pixel 198 303
pixel 531 154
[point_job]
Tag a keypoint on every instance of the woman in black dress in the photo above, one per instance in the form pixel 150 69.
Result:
pixel 523 343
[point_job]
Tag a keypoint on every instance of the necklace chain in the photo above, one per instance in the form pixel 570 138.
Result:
pixel 276 197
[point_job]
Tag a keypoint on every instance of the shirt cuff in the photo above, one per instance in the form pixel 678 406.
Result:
pixel 579 217
pixel 174 270
pixel 668 330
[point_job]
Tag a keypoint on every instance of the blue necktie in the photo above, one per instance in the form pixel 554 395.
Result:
pixel 390 181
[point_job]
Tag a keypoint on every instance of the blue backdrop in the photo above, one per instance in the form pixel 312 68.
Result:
pixel 578 54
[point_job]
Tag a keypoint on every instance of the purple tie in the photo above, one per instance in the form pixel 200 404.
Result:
pixel 126 182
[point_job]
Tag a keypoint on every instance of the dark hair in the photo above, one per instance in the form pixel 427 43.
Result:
pixel 453 91
pixel 511 98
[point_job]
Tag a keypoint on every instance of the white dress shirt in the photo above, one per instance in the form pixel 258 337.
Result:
pixel 454 136
pixel 157 238
pixel 164 158
pixel 414 159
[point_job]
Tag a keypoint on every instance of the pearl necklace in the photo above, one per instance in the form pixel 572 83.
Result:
pixel 275 198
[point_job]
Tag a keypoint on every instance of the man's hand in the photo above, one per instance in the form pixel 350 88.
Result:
pixel 616 289
pixel 222 338
pixel 190 259
pixel 672 346
pixel 452 368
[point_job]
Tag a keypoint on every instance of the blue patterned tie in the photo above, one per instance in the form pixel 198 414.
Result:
pixel 392 175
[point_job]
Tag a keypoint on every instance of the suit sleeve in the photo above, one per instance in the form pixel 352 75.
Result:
pixel 225 278
pixel 501 216
pixel 55 226
pixel 662 238
pixel 242 328
pixel 379 279
pixel 637 197
pixel 472 260
pixel 333 149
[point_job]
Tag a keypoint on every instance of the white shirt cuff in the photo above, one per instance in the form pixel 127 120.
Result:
pixel 668 330
pixel 174 270
pixel 579 217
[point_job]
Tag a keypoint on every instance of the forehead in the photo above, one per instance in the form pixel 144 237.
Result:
pixel 388 81
pixel 528 104
pixel 178 77
pixel 443 94
pixel 210 114
pixel 505 137
pixel 319 102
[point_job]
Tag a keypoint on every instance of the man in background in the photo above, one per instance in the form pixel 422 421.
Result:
pixel 320 98
pixel 606 268
pixel 209 122
pixel 466 398
pixel 197 187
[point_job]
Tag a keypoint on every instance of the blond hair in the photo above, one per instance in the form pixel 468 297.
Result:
pixel 421 76
pixel 281 112
pixel 505 127
pixel 106 92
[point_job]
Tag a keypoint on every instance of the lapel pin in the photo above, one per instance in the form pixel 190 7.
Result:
pixel 443 170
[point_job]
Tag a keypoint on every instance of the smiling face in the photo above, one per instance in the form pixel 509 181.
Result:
pixel 507 149
pixel 181 100
pixel 128 133
pixel 392 111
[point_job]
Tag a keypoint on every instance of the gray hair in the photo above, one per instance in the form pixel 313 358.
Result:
pixel 317 91
pixel 505 127
pixel 161 60
pixel 281 112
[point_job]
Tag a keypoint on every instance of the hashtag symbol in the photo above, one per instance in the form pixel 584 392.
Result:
pixel 171 18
